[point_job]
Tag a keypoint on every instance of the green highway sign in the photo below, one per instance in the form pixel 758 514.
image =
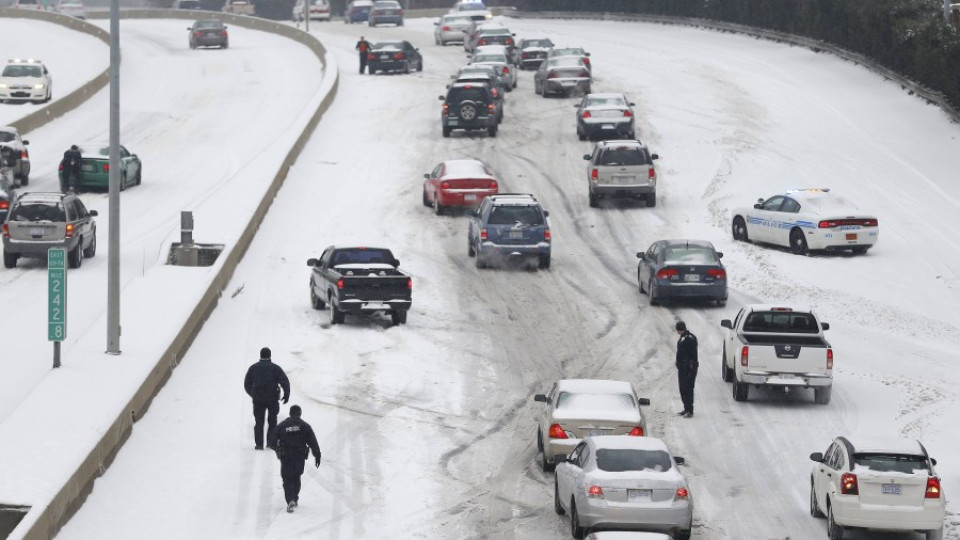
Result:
pixel 56 294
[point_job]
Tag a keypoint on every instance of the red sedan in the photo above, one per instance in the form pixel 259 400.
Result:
pixel 458 182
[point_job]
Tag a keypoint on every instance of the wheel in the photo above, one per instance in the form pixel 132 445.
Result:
pixel 859 250
pixel 539 440
pixel 336 316
pixel 594 200
pixel 10 260
pixel 406 67
pixel 420 65
pixel 226 44
pixel 398 317
pixel 814 507
pixel 581 135
pixel 75 257
pixel 446 131
pixel 123 182
pixel 492 131
pixel 139 176
pixel 725 371
pixel 557 507
pixel 632 135
pixel 798 244
pixel 544 262
pixel 315 300
pixel 651 200
pixel 91 250
pixel 536 88
pixel 25 181
pixel 740 230
pixel 652 294
pixel 437 208
pixel 426 201
pixel 834 531
pixel 822 395
pixel 721 302
pixel 740 391
pixel 682 535
pixel 479 261
pixel 640 284
pixel 935 534
pixel 576 530
pixel 546 465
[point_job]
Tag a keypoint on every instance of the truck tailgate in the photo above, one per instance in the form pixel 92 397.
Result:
pixel 375 288
pixel 785 353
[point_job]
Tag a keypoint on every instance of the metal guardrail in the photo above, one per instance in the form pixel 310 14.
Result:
pixel 913 87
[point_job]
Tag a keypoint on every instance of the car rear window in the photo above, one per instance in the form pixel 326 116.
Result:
pixel 509 215
pixel 570 400
pixel 361 256
pixel 386 5
pixel 490 58
pixel 37 211
pixel 623 155
pixel 606 101
pixel 387 46
pixel 902 463
pixel 620 460
pixel 788 322
pixel 6 136
pixel 537 43
pixel 472 93
pixel 689 255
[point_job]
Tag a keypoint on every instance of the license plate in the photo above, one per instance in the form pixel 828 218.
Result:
pixel 36 231
pixel 375 305
pixel 469 197
pixel 609 126
pixel 891 489
pixel 384 56
pixel 595 432
pixel 452 122
pixel 515 235
pixel 691 277
pixel 567 83
pixel 639 494
pixel 86 167
pixel 623 179
pixel 851 236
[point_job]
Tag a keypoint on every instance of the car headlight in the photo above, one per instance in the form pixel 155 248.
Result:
pixel 39 86
pixel 3 86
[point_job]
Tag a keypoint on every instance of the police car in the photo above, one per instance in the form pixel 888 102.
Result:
pixel 806 220
pixel 25 80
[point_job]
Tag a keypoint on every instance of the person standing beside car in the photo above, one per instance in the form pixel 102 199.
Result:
pixel 72 160
pixel 364 47
pixel 263 384
pixel 687 365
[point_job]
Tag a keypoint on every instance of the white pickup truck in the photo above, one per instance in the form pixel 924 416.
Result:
pixel 777 346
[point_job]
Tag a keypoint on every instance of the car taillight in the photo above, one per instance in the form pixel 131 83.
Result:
pixel 4 205
pixel 524 55
pixel 595 492
pixel 586 60
pixel 446 108
pixel 410 283
pixel 398 56
pixel 586 114
pixel 667 273
pixel 848 484
pixel 933 488
pixel 594 174
pixel 483 234
pixel 681 493
pixel 829 358
pixel 509 41
pixel 69 231
pixel 584 74
pixel 24 154
pixel 546 235
pixel 651 173
pixel 6 231
pixel 506 70
pixel 831 223
pixel 744 356
pixel 106 167
pixel 223 33
pixel 482 42
pixel 197 34
pixel 627 114
pixel 636 432
pixel 370 56
pixel 61 167
pixel 493 185
pixel 717 273
pixel 446 28
pixel 552 75
pixel 490 108
pixel 557 432
pixel 340 283
pixel 399 12
pixel 445 185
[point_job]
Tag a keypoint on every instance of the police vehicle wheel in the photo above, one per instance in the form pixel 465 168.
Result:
pixel 798 244
pixel 740 230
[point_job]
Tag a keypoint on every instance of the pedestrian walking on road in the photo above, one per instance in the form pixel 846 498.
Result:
pixel 294 442
pixel 687 366
pixel 263 383
pixel 364 47
pixel 71 162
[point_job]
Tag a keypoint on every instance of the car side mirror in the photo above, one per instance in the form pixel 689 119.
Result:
pixel 26 142
pixel 825 325
pixel 654 156
pixel 759 201
pixel 441 98
pixel 719 254
pixel 757 206
pixel 726 323
pixel 225 27
pixel 395 263
pixel 133 155
pixel 644 401
pixel 641 255
pixel 94 213
pixel 546 213
pixel 436 23
pixel 586 54
pixel 933 462
pixel 542 398
pixel 311 262
pixel 817 456
pixel 632 104
pixel 586 157
pixel 416 49
pixel 679 460
pixel 426 175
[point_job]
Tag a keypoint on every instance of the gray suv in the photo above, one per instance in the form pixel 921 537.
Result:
pixel 622 168
pixel 13 152
pixel 509 227
pixel 40 221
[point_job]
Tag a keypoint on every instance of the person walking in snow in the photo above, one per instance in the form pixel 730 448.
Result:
pixel 687 366
pixel 263 384
pixel 364 47
pixel 293 443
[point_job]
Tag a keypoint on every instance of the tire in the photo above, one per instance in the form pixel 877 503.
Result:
pixel 814 507
pixel 446 131
pixel 336 316
pixel 741 391
pixel 25 181
pixel 740 230
pixel 537 89
pixel 315 300
pixel 426 201
pixel 437 208
pixel 91 250
pixel 935 534
pixel 75 256
pixel 492 131
pixel 576 530
pixel 834 531
pixel 544 262
pixel 725 371
pixel 123 182
pixel 225 45
pixel 594 200
pixel 859 250
pixel 139 176
pixel 798 244
pixel 470 251
pixel 480 262
pixel 682 535
pixel 632 135
pixel 406 67
pixel 539 440
pixel 652 294
pixel 581 135
pixel 822 395
pixel 398 317
pixel 420 65
pixel 640 284
pixel 557 507
pixel 10 260
pixel 651 200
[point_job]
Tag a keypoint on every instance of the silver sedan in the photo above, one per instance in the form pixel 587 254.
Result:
pixel 451 28
pixel 612 482
pixel 563 75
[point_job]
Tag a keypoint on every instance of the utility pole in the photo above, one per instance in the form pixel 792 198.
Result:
pixel 946 11
pixel 113 253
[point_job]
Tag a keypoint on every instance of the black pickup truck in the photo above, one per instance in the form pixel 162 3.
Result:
pixel 359 280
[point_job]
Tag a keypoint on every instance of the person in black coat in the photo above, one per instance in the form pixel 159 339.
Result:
pixel 363 46
pixel 263 384
pixel 293 443
pixel 72 160
pixel 687 366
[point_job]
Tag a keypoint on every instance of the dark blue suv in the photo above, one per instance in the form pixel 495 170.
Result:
pixel 509 227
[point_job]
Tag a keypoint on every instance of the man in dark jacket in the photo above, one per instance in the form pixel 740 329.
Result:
pixel 687 366
pixel 263 383
pixel 364 47
pixel 72 159
pixel 294 442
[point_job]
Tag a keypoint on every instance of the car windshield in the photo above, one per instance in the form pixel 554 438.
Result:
pixel 902 463
pixel 490 59
pixel 787 322
pixel 689 255
pixel 570 400
pixel 22 71
pixel 361 256
pixel 510 215
pixel 537 43
pixel 37 211
pixel 622 155
pixel 207 24
pixel 620 460
pixel 6 136
pixel 607 101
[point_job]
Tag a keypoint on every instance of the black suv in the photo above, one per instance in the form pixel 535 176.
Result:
pixel 469 106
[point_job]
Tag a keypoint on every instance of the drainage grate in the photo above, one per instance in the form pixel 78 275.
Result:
pixel 10 517
pixel 194 254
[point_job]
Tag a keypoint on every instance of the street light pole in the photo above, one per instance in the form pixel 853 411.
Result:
pixel 946 11
pixel 113 247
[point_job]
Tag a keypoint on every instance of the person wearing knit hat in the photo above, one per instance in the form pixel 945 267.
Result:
pixel 294 441
pixel 687 366
pixel 263 383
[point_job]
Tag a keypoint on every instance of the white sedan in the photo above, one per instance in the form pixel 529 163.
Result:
pixel 877 484
pixel 805 220
pixel 623 483
pixel 25 80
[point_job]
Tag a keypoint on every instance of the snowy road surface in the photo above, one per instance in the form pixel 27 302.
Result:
pixel 427 429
